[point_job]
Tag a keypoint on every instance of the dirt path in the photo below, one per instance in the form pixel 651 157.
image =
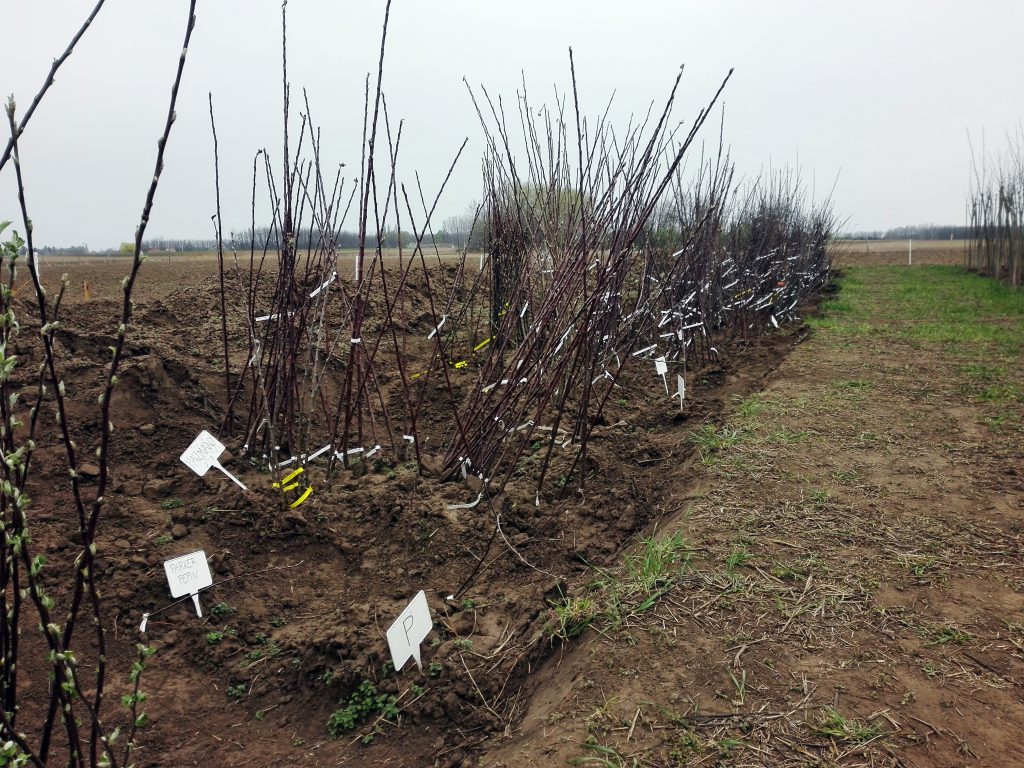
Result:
pixel 843 583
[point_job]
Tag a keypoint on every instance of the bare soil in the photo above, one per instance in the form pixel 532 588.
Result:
pixel 857 546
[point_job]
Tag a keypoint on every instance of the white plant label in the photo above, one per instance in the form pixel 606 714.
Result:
pixel 409 630
pixel 661 366
pixel 204 453
pixel 680 390
pixel 188 574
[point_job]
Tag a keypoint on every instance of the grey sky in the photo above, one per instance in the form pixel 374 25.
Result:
pixel 881 94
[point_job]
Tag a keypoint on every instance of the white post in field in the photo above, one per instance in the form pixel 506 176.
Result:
pixel 910 252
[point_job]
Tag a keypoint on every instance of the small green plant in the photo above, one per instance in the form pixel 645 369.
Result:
pixel 564 480
pixel 917 565
pixel 163 539
pixel 278 621
pixel 841 728
pixel 818 496
pixel 574 615
pixel 435 668
pixel 172 504
pixel 740 683
pixel 727 746
pixel 604 756
pixel 214 637
pixel 238 691
pixel 364 702
pixel 735 559
pixel 942 634
pixel 424 534
pixel 710 441
pixel 220 610
pixel 787 437
pixel 685 746
pixel 784 572
pixel 750 407
pixel 657 564
pixel 845 476
pixel 855 385
pixel 463 643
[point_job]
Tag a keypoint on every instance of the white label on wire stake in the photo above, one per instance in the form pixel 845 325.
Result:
pixel 661 366
pixel 188 574
pixel 204 453
pixel 409 630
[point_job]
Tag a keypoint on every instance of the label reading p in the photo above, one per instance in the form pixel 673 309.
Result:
pixel 409 630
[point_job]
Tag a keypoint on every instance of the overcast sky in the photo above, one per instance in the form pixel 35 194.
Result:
pixel 877 94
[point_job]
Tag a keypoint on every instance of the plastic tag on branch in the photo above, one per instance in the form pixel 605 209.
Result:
pixel 325 284
pixel 409 630
pixel 293 482
pixel 187 575
pixel 204 453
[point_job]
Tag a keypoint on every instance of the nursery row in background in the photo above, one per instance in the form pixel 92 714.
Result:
pixel 995 211
pixel 606 249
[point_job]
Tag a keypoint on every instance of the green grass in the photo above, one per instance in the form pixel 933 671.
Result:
pixel 711 440
pixel 818 496
pixel 735 559
pixel 1000 394
pixel 604 756
pixel 854 385
pixel 750 407
pixel 841 728
pixel 941 305
pixel 943 634
pixel 951 305
pixel 631 588
pixel 982 372
pixel 574 615
pixel 656 565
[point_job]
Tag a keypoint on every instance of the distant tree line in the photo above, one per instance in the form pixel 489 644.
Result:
pixel 913 232
pixel 73 250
